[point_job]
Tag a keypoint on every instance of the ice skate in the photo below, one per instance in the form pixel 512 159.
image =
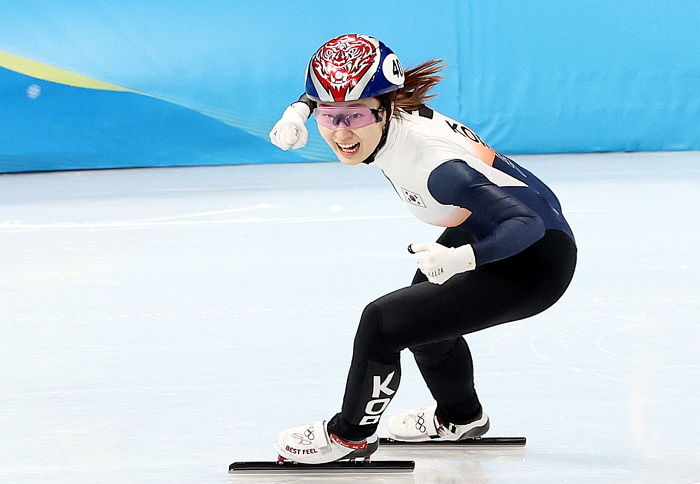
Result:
pixel 313 444
pixel 421 424
pixel 312 449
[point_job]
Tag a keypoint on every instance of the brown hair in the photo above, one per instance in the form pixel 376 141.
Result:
pixel 418 82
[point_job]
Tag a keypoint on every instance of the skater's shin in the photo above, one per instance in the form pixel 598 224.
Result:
pixel 373 379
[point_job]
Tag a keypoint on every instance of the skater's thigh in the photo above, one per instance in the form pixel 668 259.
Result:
pixel 426 313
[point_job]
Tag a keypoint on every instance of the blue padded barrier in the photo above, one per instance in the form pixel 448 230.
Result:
pixel 131 83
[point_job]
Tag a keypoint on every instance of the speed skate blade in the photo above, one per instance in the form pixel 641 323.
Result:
pixel 485 441
pixel 351 467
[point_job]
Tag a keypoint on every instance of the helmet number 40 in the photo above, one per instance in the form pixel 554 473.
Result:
pixel 396 68
pixel 393 72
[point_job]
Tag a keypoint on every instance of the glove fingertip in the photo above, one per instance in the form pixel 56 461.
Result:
pixel 419 247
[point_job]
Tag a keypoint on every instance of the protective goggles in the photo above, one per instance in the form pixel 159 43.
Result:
pixel 346 117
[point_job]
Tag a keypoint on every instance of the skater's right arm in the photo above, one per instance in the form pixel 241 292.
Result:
pixel 290 131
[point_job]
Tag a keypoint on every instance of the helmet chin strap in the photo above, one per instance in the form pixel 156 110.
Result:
pixel 386 107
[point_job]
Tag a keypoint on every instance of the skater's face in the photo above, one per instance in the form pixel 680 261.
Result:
pixel 351 128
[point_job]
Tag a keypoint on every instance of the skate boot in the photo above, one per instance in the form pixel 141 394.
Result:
pixel 312 444
pixel 421 424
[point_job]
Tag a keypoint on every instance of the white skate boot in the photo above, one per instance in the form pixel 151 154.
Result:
pixel 312 444
pixel 421 424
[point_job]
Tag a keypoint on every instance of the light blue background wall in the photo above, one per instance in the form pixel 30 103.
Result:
pixel 212 77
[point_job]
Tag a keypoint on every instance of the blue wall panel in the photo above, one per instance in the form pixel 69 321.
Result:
pixel 210 78
pixel 590 75
pixel 67 127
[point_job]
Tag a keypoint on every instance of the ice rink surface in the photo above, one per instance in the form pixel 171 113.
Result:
pixel 158 324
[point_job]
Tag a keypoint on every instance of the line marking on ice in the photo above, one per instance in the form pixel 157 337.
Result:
pixel 169 223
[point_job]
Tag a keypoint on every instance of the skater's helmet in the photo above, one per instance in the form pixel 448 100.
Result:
pixel 352 67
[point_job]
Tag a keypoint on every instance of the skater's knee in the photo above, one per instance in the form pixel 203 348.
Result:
pixel 435 354
pixel 371 337
pixel 369 329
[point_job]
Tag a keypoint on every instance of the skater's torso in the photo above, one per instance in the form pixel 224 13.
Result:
pixel 448 176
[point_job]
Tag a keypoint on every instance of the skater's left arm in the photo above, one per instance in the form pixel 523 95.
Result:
pixel 511 225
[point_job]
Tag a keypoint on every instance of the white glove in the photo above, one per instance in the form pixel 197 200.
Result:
pixel 439 263
pixel 290 131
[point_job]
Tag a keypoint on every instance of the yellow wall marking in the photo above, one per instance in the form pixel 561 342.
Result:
pixel 54 74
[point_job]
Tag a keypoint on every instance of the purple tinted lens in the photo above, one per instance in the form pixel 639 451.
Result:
pixel 350 117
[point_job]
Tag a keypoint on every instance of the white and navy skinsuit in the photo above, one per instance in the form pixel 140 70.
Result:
pixel 525 258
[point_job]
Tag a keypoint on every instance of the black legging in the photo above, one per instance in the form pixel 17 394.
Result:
pixel 430 320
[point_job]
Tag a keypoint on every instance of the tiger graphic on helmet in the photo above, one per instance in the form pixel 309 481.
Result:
pixel 351 67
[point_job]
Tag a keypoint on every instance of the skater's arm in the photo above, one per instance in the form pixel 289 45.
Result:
pixel 290 131
pixel 511 225
pixel 308 101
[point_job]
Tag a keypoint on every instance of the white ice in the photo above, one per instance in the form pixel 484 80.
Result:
pixel 158 324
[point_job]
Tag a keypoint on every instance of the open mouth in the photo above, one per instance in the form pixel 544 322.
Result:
pixel 348 149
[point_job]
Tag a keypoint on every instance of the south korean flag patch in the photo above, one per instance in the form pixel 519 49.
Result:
pixel 412 198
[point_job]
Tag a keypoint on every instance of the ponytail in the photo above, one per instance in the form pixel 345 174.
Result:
pixel 418 82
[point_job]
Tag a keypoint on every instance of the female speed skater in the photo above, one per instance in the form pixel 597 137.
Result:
pixel 507 252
